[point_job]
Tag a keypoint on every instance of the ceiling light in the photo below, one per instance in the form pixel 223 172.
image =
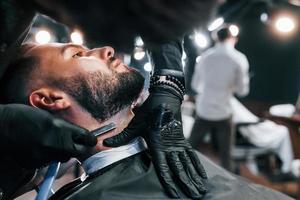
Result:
pixel 76 37
pixel 216 24
pixel 201 40
pixel 42 37
pixel 234 29
pixel 285 24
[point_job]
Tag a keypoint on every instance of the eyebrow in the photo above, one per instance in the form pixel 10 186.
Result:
pixel 63 49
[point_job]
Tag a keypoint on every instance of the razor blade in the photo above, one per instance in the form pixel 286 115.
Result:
pixel 104 129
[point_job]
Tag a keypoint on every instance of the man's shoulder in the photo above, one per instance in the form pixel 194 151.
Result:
pixel 209 52
pixel 220 52
pixel 240 55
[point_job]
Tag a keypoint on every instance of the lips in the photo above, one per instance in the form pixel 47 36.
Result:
pixel 114 62
pixel 118 66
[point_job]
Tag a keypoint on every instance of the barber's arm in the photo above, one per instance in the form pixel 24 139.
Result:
pixel 171 153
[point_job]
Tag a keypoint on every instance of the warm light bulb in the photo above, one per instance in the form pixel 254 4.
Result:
pixel 216 24
pixel 234 29
pixel 42 37
pixel 285 24
pixel 201 40
pixel 76 37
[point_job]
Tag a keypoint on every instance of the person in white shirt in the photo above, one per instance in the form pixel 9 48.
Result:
pixel 221 73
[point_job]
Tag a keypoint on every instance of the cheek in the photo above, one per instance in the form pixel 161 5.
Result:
pixel 91 65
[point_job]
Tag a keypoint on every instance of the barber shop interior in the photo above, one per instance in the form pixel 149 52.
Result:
pixel 139 99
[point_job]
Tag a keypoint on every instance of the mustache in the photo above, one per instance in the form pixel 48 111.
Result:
pixel 114 62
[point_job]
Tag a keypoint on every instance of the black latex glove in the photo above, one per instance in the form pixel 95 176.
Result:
pixel 137 127
pixel 34 137
pixel 174 156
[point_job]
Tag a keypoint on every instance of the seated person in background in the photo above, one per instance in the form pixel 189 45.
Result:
pixel 266 134
pixel 91 88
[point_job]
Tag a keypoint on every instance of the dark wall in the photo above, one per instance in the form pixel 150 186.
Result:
pixel 274 61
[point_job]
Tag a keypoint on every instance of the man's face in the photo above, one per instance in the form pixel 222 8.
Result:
pixel 100 83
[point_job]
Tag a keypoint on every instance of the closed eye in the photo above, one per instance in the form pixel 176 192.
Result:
pixel 78 54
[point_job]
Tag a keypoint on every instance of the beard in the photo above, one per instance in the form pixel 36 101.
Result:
pixel 102 95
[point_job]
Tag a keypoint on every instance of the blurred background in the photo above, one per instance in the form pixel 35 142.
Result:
pixel 269 35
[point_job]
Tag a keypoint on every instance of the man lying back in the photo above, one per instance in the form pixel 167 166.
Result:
pixel 91 88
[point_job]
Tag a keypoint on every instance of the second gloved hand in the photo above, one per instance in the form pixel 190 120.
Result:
pixel 34 137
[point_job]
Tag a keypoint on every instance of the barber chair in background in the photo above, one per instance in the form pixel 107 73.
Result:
pixel 287 115
pixel 245 152
pixel 263 136
pixel 281 139
pixel 259 144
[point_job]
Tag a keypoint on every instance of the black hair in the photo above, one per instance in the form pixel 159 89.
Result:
pixel 16 79
pixel 223 34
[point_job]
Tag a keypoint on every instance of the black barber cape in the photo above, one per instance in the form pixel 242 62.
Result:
pixel 135 178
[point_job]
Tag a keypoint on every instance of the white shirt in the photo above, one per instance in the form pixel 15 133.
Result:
pixel 221 72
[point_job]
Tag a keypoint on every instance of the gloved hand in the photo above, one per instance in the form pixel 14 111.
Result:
pixel 34 137
pixel 136 127
pixel 172 155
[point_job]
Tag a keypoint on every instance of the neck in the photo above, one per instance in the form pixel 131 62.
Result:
pixel 80 117
pixel 121 120
pixel 230 41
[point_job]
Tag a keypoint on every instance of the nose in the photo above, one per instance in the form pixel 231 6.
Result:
pixel 104 53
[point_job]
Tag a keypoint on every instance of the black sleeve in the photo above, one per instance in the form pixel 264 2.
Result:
pixel 167 57
pixel 167 61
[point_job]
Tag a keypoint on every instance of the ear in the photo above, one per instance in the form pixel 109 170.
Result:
pixel 49 99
